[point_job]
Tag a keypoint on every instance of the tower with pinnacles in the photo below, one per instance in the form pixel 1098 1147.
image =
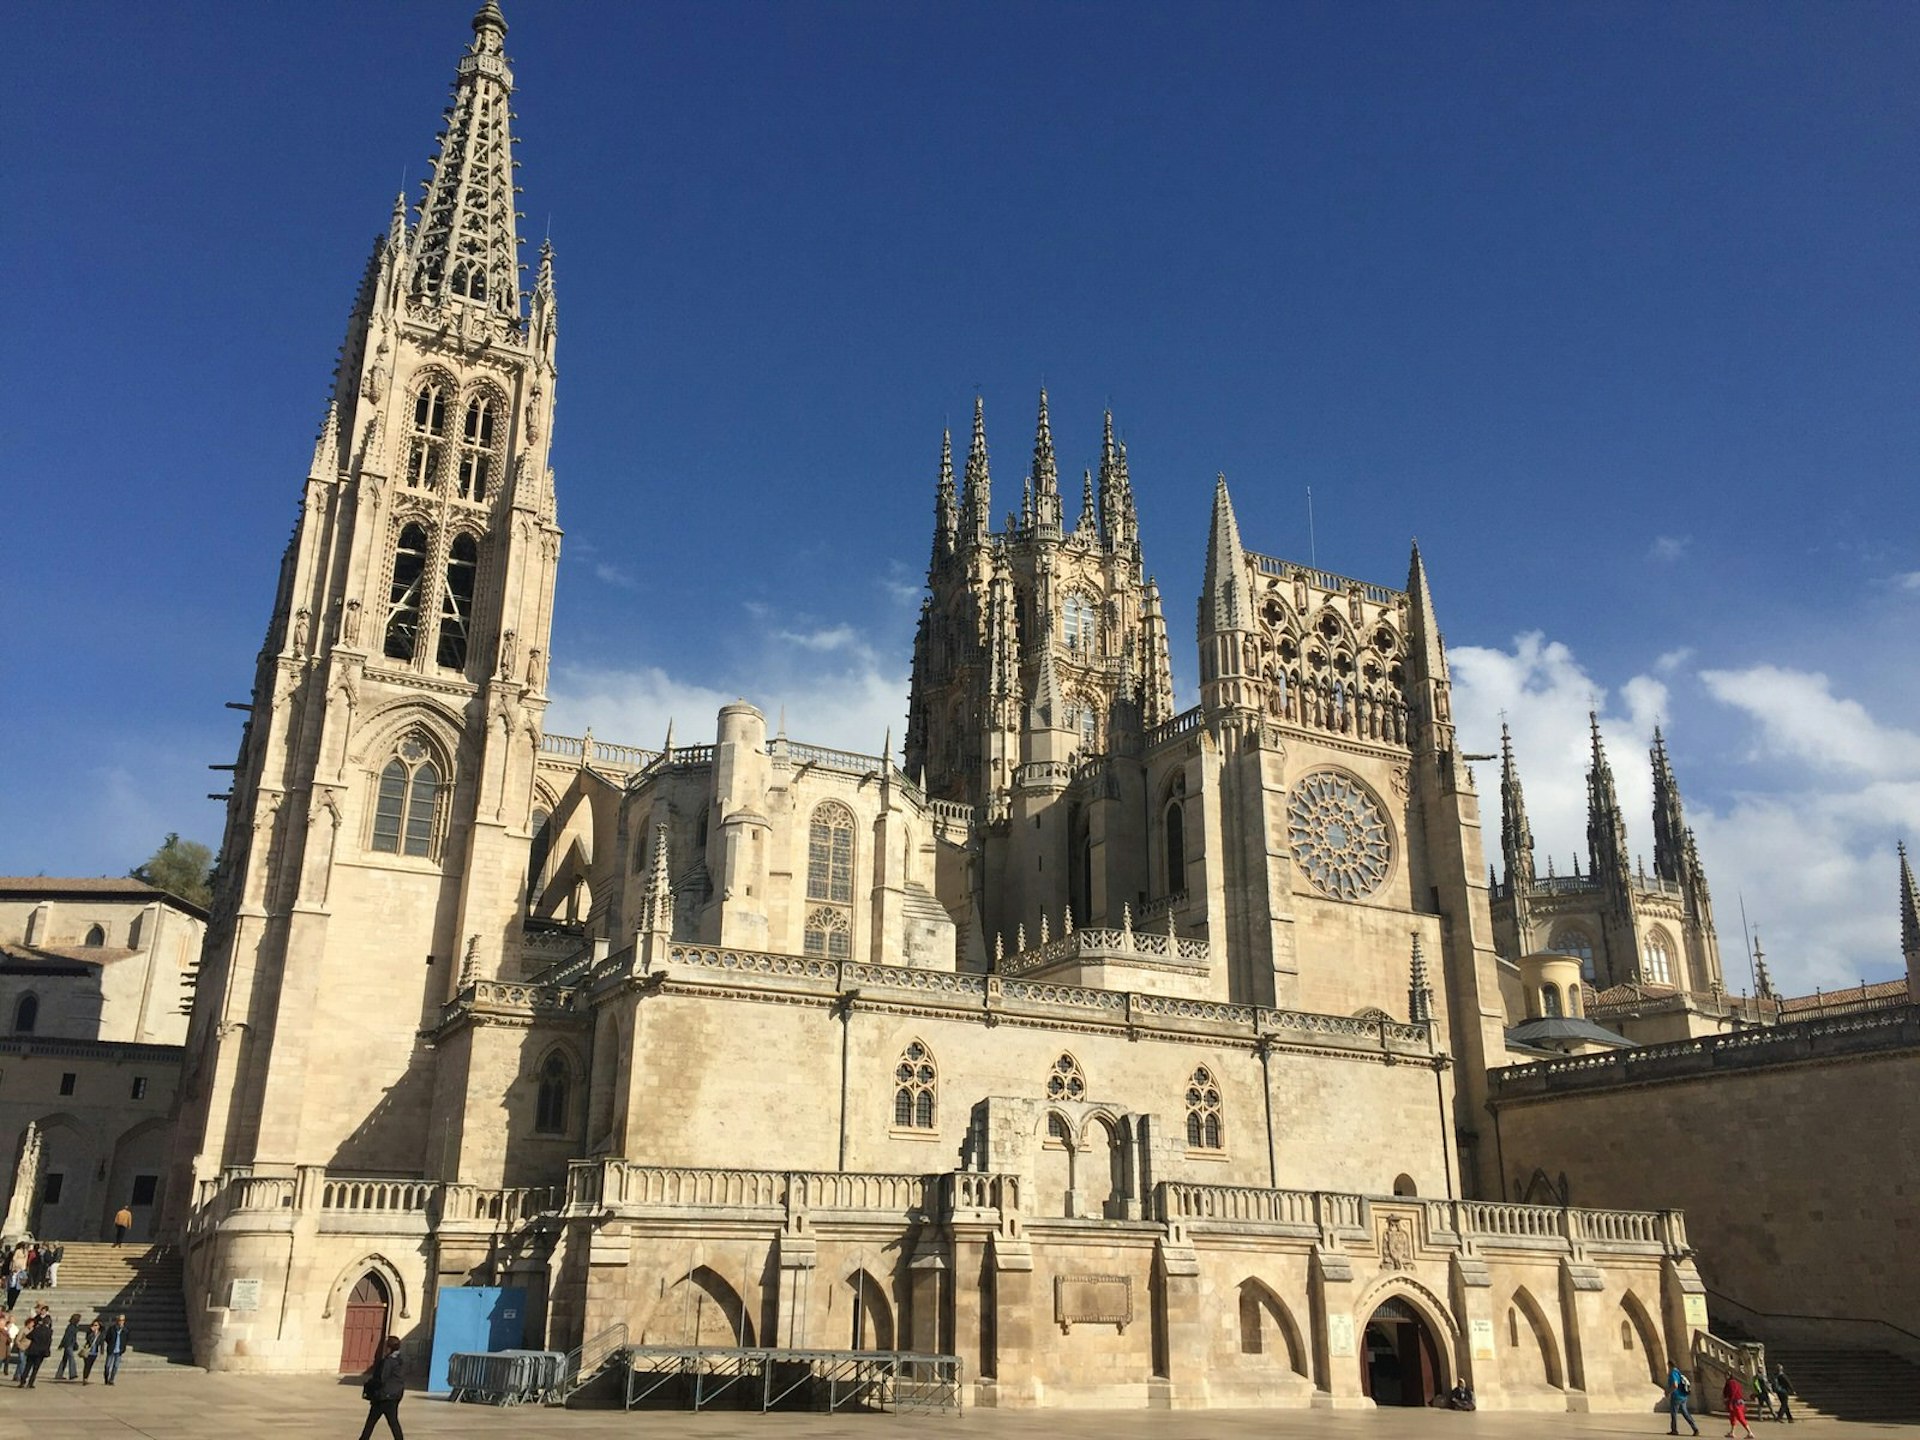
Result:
pixel 1085 1050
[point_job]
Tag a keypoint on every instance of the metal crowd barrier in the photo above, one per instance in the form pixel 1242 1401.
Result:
pixel 833 1380
pixel 507 1377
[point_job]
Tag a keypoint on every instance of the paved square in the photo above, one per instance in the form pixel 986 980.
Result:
pixel 194 1406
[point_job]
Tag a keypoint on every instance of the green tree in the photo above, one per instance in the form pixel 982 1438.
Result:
pixel 182 868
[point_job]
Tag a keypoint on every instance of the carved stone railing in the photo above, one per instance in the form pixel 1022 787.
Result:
pixel 1715 1358
pixel 1785 1044
pixel 1105 944
pixel 1177 1202
pixel 260 1192
pixel 410 1197
pixel 951 811
pixel 622 1185
pixel 1183 723
pixel 589 751
pixel 969 1190
pixel 508 1209
pixel 1326 579
pixel 827 758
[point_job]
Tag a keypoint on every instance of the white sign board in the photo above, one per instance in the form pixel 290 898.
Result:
pixel 1482 1336
pixel 243 1295
pixel 1697 1311
pixel 1340 1335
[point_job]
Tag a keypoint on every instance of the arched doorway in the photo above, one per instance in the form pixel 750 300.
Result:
pixel 366 1325
pixel 1399 1359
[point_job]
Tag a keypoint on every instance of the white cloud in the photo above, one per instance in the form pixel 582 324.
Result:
pixel 615 575
pixel 1673 660
pixel 832 637
pixel 1669 549
pixel 1908 581
pixel 1813 790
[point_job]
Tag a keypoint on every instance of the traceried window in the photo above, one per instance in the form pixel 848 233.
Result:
pixel 1203 1111
pixel 830 855
pixel 829 934
pixel 408 802
pixel 403 600
pixel 470 280
pixel 476 448
pixel 1065 1081
pixel 1080 625
pixel 1084 721
pixel 556 1085
pixel 1656 960
pixel 1571 941
pixel 456 602
pixel 1550 1001
pixel 914 1081
pixel 1339 836
pixel 428 441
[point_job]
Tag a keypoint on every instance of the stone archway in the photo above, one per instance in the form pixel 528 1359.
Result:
pixel 364 1328
pixel 1401 1359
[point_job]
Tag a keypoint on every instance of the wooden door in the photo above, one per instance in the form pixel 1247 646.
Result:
pixel 366 1325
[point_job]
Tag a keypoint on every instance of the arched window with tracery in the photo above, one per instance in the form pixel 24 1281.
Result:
pixel 1203 1111
pixel 407 807
pixel 829 933
pixel 1066 1080
pixel 1080 625
pixel 456 602
pixel 1570 940
pixel 914 1080
pixel 427 441
pixel 1550 1001
pixel 26 1015
pixel 830 882
pixel 1176 828
pixel 403 599
pixel 1656 959
pixel 555 1094
pixel 470 280
pixel 1083 719
pixel 477 459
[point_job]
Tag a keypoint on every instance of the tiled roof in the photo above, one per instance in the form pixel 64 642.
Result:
pixel 1854 997
pixel 1631 993
pixel 100 887
pixel 64 954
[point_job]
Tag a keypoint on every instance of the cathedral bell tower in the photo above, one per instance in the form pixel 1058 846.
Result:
pixel 376 843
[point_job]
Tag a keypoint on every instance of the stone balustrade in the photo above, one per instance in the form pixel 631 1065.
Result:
pixel 1106 944
pixel 624 1186
pixel 311 1194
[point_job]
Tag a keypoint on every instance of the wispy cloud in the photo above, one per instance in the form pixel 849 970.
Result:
pixel 1669 549
pixel 615 575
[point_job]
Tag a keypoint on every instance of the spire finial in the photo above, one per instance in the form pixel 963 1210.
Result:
pixel 1419 990
pixel 977 495
pixel 1909 913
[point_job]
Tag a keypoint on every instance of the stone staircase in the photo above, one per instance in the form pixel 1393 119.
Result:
pixel 1875 1386
pixel 143 1282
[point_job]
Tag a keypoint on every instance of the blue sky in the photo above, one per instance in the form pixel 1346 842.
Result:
pixel 1613 306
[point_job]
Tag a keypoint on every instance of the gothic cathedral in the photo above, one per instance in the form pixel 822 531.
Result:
pixel 1169 1030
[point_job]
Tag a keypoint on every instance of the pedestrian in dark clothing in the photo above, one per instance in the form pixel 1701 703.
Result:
pixel 92 1346
pixel 386 1384
pixel 39 1346
pixel 114 1343
pixel 1762 1396
pixel 1782 1388
pixel 70 1350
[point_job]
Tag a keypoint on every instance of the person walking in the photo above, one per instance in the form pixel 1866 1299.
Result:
pixel 54 1254
pixel 1761 1395
pixel 1734 1395
pixel 122 1222
pixel 39 1346
pixel 1782 1388
pixel 91 1346
pixel 70 1350
pixel 386 1385
pixel 114 1342
pixel 1678 1391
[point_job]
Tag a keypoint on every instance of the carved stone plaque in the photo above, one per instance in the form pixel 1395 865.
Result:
pixel 1092 1300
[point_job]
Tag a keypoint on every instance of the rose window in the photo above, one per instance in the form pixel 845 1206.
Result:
pixel 1339 836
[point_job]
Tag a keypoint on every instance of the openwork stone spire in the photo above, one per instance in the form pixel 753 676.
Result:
pixel 1516 835
pixel 946 513
pixel 466 246
pixel 1046 474
pixel 1419 988
pixel 1227 595
pixel 1669 822
pixel 1606 827
pixel 1909 912
pixel 977 496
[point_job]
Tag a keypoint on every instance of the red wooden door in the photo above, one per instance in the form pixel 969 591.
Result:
pixel 366 1325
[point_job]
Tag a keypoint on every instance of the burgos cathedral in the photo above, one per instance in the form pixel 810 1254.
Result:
pixel 1132 1057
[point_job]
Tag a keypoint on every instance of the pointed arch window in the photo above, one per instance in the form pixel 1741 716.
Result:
pixel 830 855
pixel 1203 1111
pixel 1656 961
pixel 1569 940
pixel 915 1080
pixel 1080 625
pixel 470 280
pixel 403 600
pixel 96 937
pixel 427 443
pixel 1550 1001
pixel 537 854
pixel 1066 1081
pixel 1176 828
pixel 556 1090
pixel 26 1015
pixel 829 935
pixel 456 602
pixel 406 808
pixel 476 467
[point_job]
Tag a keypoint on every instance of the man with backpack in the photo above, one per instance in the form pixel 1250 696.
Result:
pixel 1782 1388
pixel 1678 1392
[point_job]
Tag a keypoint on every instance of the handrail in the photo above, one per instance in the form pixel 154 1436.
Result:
pixel 605 1345
pixel 1829 1319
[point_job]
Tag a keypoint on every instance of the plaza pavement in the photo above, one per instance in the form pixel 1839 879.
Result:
pixel 190 1405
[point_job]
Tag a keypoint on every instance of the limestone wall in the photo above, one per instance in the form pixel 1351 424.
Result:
pixel 1784 1147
